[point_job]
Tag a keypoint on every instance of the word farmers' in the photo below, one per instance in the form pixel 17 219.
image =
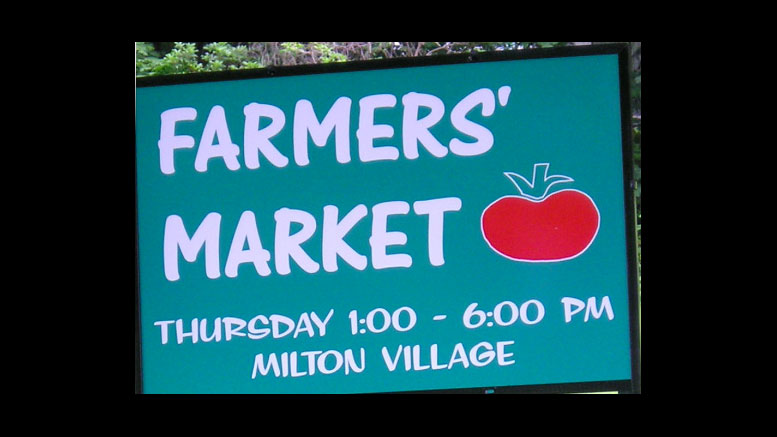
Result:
pixel 216 139
pixel 247 246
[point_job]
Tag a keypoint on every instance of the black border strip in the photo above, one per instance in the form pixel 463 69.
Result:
pixel 633 385
pixel 621 386
pixel 629 183
pixel 138 341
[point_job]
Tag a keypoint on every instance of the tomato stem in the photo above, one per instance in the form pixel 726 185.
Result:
pixel 539 187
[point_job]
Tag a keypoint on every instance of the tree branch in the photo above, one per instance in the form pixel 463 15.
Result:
pixel 418 49
pixel 443 47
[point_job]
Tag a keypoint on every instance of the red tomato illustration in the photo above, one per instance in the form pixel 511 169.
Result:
pixel 541 228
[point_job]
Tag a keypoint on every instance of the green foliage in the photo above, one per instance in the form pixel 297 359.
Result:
pixel 292 48
pixel 185 58
pixel 311 53
pixel 182 59
pixel 219 56
pixel 146 58
pixel 327 53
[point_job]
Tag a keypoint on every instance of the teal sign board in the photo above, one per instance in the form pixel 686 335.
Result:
pixel 448 225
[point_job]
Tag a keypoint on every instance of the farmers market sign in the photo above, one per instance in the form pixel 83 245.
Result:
pixel 450 223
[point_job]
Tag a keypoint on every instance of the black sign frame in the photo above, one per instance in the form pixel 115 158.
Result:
pixel 632 385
